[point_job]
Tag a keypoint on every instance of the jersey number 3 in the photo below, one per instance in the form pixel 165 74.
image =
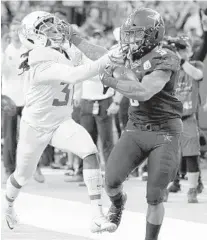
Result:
pixel 66 91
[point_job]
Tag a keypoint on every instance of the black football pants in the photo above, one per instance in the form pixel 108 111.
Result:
pixel 161 144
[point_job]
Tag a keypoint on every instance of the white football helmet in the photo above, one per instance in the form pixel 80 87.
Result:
pixel 41 29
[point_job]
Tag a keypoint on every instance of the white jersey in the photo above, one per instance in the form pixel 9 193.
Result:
pixel 47 103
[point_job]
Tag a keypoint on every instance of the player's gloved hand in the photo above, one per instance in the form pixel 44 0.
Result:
pixel 118 54
pixel 8 105
pixel 106 77
pixel 66 29
pixel 106 73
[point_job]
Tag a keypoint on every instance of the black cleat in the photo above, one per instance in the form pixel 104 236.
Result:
pixel 200 187
pixel 175 187
pixel 115 213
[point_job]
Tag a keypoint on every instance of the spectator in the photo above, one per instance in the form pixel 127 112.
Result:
pixel 13 86
pixel 92 22
pixel 187 92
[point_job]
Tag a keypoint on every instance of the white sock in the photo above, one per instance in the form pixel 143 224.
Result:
pixel 12 190
pixel 93 181
pixel 193 179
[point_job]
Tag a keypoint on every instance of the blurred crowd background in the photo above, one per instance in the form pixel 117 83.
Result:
pixel 98 21
pixel 105 16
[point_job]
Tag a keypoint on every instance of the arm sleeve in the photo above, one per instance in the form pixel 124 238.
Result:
pixel 90 50
pixel 201 53
pixel 170 61
pixel 69 74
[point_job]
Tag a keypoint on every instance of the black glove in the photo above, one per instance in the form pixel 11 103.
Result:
pixel 106 73
pixel 107 78
pixel 177 42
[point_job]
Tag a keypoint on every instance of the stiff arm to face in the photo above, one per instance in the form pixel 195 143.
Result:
pixel 60 72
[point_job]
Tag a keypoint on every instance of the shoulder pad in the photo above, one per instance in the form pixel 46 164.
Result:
pixel 165 59
pixel 45 54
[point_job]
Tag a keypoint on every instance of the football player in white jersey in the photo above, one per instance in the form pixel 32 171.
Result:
pixel 46 118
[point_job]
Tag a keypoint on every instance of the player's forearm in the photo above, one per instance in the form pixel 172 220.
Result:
pixel 63 73
pixel 91 51
pixel 192 71
pixel 133 90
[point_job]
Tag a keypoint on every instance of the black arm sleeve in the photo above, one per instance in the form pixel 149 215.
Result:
pixel 201 53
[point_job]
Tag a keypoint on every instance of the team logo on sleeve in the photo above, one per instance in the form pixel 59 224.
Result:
pixel 147 65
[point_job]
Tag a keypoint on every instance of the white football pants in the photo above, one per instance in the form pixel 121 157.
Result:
pixel 69 136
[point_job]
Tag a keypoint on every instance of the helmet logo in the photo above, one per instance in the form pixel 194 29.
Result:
pixel 25 32
pixel 147 65
pixel 128 21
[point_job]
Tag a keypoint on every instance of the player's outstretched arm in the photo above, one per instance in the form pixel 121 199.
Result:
pixel 52 71
pixel 91 51
pixel 150 85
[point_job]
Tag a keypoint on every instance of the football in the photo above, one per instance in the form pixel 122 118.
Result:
pixel 124 73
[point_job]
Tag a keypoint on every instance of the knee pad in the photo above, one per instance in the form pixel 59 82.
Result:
pixel 154 196
pixel 112 189
pixel 88 150
pixel 157 185
pixel 192 163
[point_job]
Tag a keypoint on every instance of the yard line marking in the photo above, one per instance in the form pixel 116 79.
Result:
pixel 74 218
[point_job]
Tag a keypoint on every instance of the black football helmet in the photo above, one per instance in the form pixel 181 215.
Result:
pixel 142 31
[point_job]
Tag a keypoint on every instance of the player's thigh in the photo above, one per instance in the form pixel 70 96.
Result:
pixel 125 156
pixel 190 138
pixel 31 145
pixel 70 136
pixel 163 163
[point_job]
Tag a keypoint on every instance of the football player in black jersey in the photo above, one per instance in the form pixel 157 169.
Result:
pixel 154 125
